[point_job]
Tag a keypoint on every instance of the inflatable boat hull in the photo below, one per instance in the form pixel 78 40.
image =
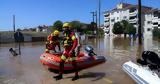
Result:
pixel 52 61
pixel 141 75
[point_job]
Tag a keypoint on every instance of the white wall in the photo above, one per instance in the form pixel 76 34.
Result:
pixel 148 24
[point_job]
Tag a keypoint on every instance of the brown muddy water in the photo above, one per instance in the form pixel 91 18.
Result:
pixel 26 68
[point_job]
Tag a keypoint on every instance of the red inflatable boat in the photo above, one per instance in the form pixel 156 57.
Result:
pixel 83 61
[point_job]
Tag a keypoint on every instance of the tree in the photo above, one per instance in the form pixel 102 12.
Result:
pixel 93 26
pixel 131 29
pixel 19 29
pixel 76 25
pixel 124 25
pixel 128 28
pixel 156 32
pixel 117 28
pixel 58 25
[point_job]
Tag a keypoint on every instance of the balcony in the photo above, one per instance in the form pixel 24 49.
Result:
pixel 106 19
pixel 133 13
pixel 155 26
pixel 155 17
pixel 133 20
pixel 106 15
pixel 106 23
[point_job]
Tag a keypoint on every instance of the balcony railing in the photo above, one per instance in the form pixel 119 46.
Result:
pixel 133 13
pixel 106 24
pixel 133 20
pixel 106 15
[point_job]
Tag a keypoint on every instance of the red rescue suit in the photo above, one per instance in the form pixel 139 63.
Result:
pixel 53 41
pixel 70 43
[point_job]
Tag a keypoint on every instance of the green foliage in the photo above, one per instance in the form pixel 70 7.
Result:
pixel 101 31
pixel 58 25
pixel 76 25
pixel 93 26
pixel 131 29
pixel 128 28
pixel 51 29
pixel 117 28
pixel 156 32
pixel 88 32
pixel 123 27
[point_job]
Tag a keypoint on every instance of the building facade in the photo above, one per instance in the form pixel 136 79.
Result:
pixel 150 17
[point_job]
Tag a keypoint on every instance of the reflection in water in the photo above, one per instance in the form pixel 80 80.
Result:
pixel 119 42
pixel 148 43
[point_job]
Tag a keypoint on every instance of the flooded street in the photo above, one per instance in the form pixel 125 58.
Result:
pixel 27 69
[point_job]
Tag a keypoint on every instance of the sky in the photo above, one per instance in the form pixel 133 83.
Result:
pixel 31 13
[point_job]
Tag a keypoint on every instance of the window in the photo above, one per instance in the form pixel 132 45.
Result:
pixel 148 29
pixel 155 23
pixel 105 21
pixel 133 17
pixel 125 17
pixel 134 23
pixel 112 13
pixel 117 18
pixel 107 26
pixel 155 27
pixel 132 10
pixel 112 20
pixel 106 15
pixel 155 13
pixel 149 22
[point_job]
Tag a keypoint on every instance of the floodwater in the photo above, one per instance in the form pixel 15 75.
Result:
pixel 26 68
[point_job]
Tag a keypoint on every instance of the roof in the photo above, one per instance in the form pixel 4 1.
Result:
pixel 125 6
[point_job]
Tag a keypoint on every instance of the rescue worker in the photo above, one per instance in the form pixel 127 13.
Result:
pixel 53 41
pixel 70 43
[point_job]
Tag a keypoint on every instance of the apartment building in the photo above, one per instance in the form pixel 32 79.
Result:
pixel 150 17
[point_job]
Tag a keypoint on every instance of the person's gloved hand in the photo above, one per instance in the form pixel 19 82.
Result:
pixel 67 60
pixel 51 42
pixel 70 53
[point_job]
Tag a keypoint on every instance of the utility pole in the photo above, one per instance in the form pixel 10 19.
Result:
pixel 99 15
pixel 14 23
pixel 96 23
pixel 93 14
pixel 139 23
